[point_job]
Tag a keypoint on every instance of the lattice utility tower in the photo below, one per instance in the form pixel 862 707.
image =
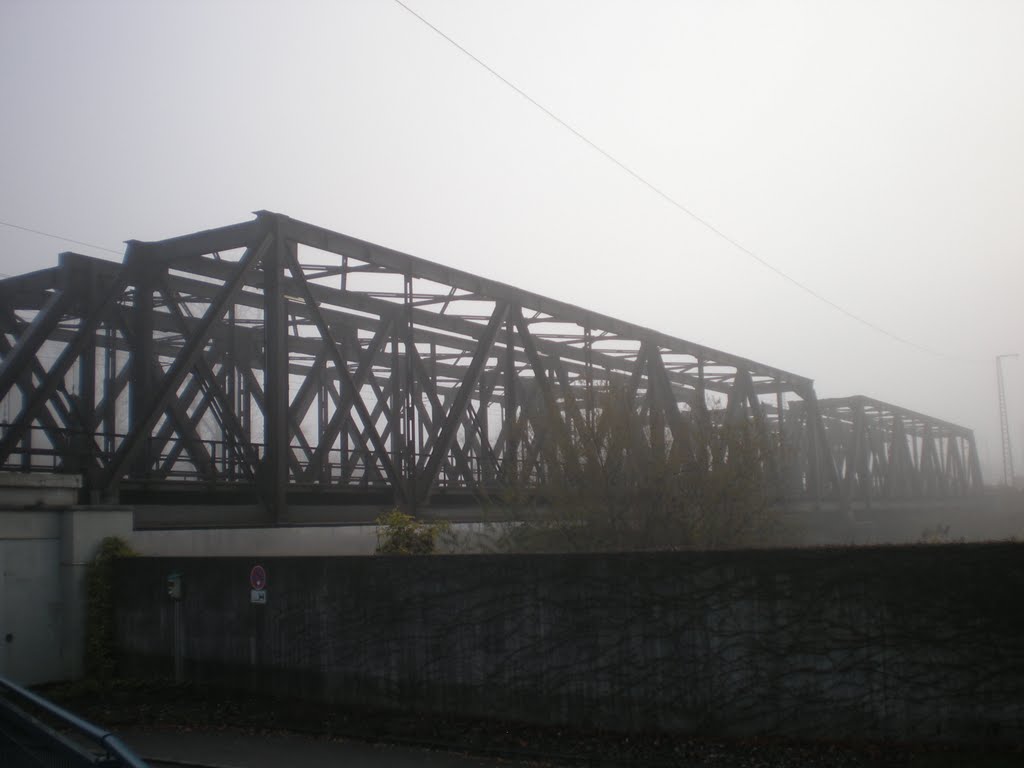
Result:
pixel 1004 423
pixel 281 363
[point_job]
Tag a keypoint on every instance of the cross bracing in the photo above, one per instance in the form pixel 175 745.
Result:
pixel 280 360
pixel 883 451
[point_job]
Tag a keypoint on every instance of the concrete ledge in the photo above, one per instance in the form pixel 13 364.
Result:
pixel 39 480
pixel 19 490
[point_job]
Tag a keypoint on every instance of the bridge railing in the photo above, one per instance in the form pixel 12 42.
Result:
pixel 36 732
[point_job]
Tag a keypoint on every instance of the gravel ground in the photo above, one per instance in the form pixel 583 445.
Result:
pixel 125 705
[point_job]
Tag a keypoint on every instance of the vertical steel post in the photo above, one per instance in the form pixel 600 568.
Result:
pixel 812 414
pixel 486 472
pixel 588 372
pixel 350 354
pixel 275 418
pixel 84 444
pixel 394 414
pixel 781 469
pixel 409 421
pixel 109 415
pixel 509 469
pixel 140 394
pixel 231 393
pixel 323 418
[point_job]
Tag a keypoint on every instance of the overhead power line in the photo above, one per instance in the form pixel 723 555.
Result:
pixel 669 199
pixel 60 237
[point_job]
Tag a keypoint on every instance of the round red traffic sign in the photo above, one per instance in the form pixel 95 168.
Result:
pixel 258 577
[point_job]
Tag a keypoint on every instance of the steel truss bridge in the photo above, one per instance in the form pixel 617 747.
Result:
pixel 280 362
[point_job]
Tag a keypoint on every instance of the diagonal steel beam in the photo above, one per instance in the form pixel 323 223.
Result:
pixel 455 414
pixel 55 377
pixel 304 398
pixel 259 396
pixel 28 343
pixel 167 429
pixel 657 378
pixel 175 412
pixel 535 410
pixel 341 420
pixel 401 263
pixel 540 375
pixel 353 397
pixel 26 384
pixel 207 378
pixel 176 250
pixel 427 385
pixel 190 353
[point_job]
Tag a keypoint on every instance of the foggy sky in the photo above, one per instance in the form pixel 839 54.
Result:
pixel 870 150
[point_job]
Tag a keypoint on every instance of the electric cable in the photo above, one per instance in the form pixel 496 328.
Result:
pixel 60 237
pixel 672 201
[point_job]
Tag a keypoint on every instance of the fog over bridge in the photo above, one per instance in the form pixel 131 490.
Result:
pixel 278 363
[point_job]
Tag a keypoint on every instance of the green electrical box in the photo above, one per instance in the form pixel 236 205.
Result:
pixel 174 586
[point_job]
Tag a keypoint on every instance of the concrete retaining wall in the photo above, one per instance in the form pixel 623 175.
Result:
pixel 45 545
pixel 896 642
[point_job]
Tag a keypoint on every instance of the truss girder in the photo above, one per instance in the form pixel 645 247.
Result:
pixel 277 356
pixel 883 451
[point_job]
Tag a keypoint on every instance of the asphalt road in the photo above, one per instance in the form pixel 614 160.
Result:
pixel 237 749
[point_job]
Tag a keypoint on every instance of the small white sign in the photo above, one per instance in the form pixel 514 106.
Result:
pixel 258 596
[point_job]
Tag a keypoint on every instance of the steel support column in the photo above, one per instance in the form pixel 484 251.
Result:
pixel 275 388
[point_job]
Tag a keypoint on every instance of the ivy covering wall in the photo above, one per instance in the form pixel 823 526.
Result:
pixel 920 642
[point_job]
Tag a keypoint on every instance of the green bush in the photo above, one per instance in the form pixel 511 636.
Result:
pixel 402 534
pixel 100 662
